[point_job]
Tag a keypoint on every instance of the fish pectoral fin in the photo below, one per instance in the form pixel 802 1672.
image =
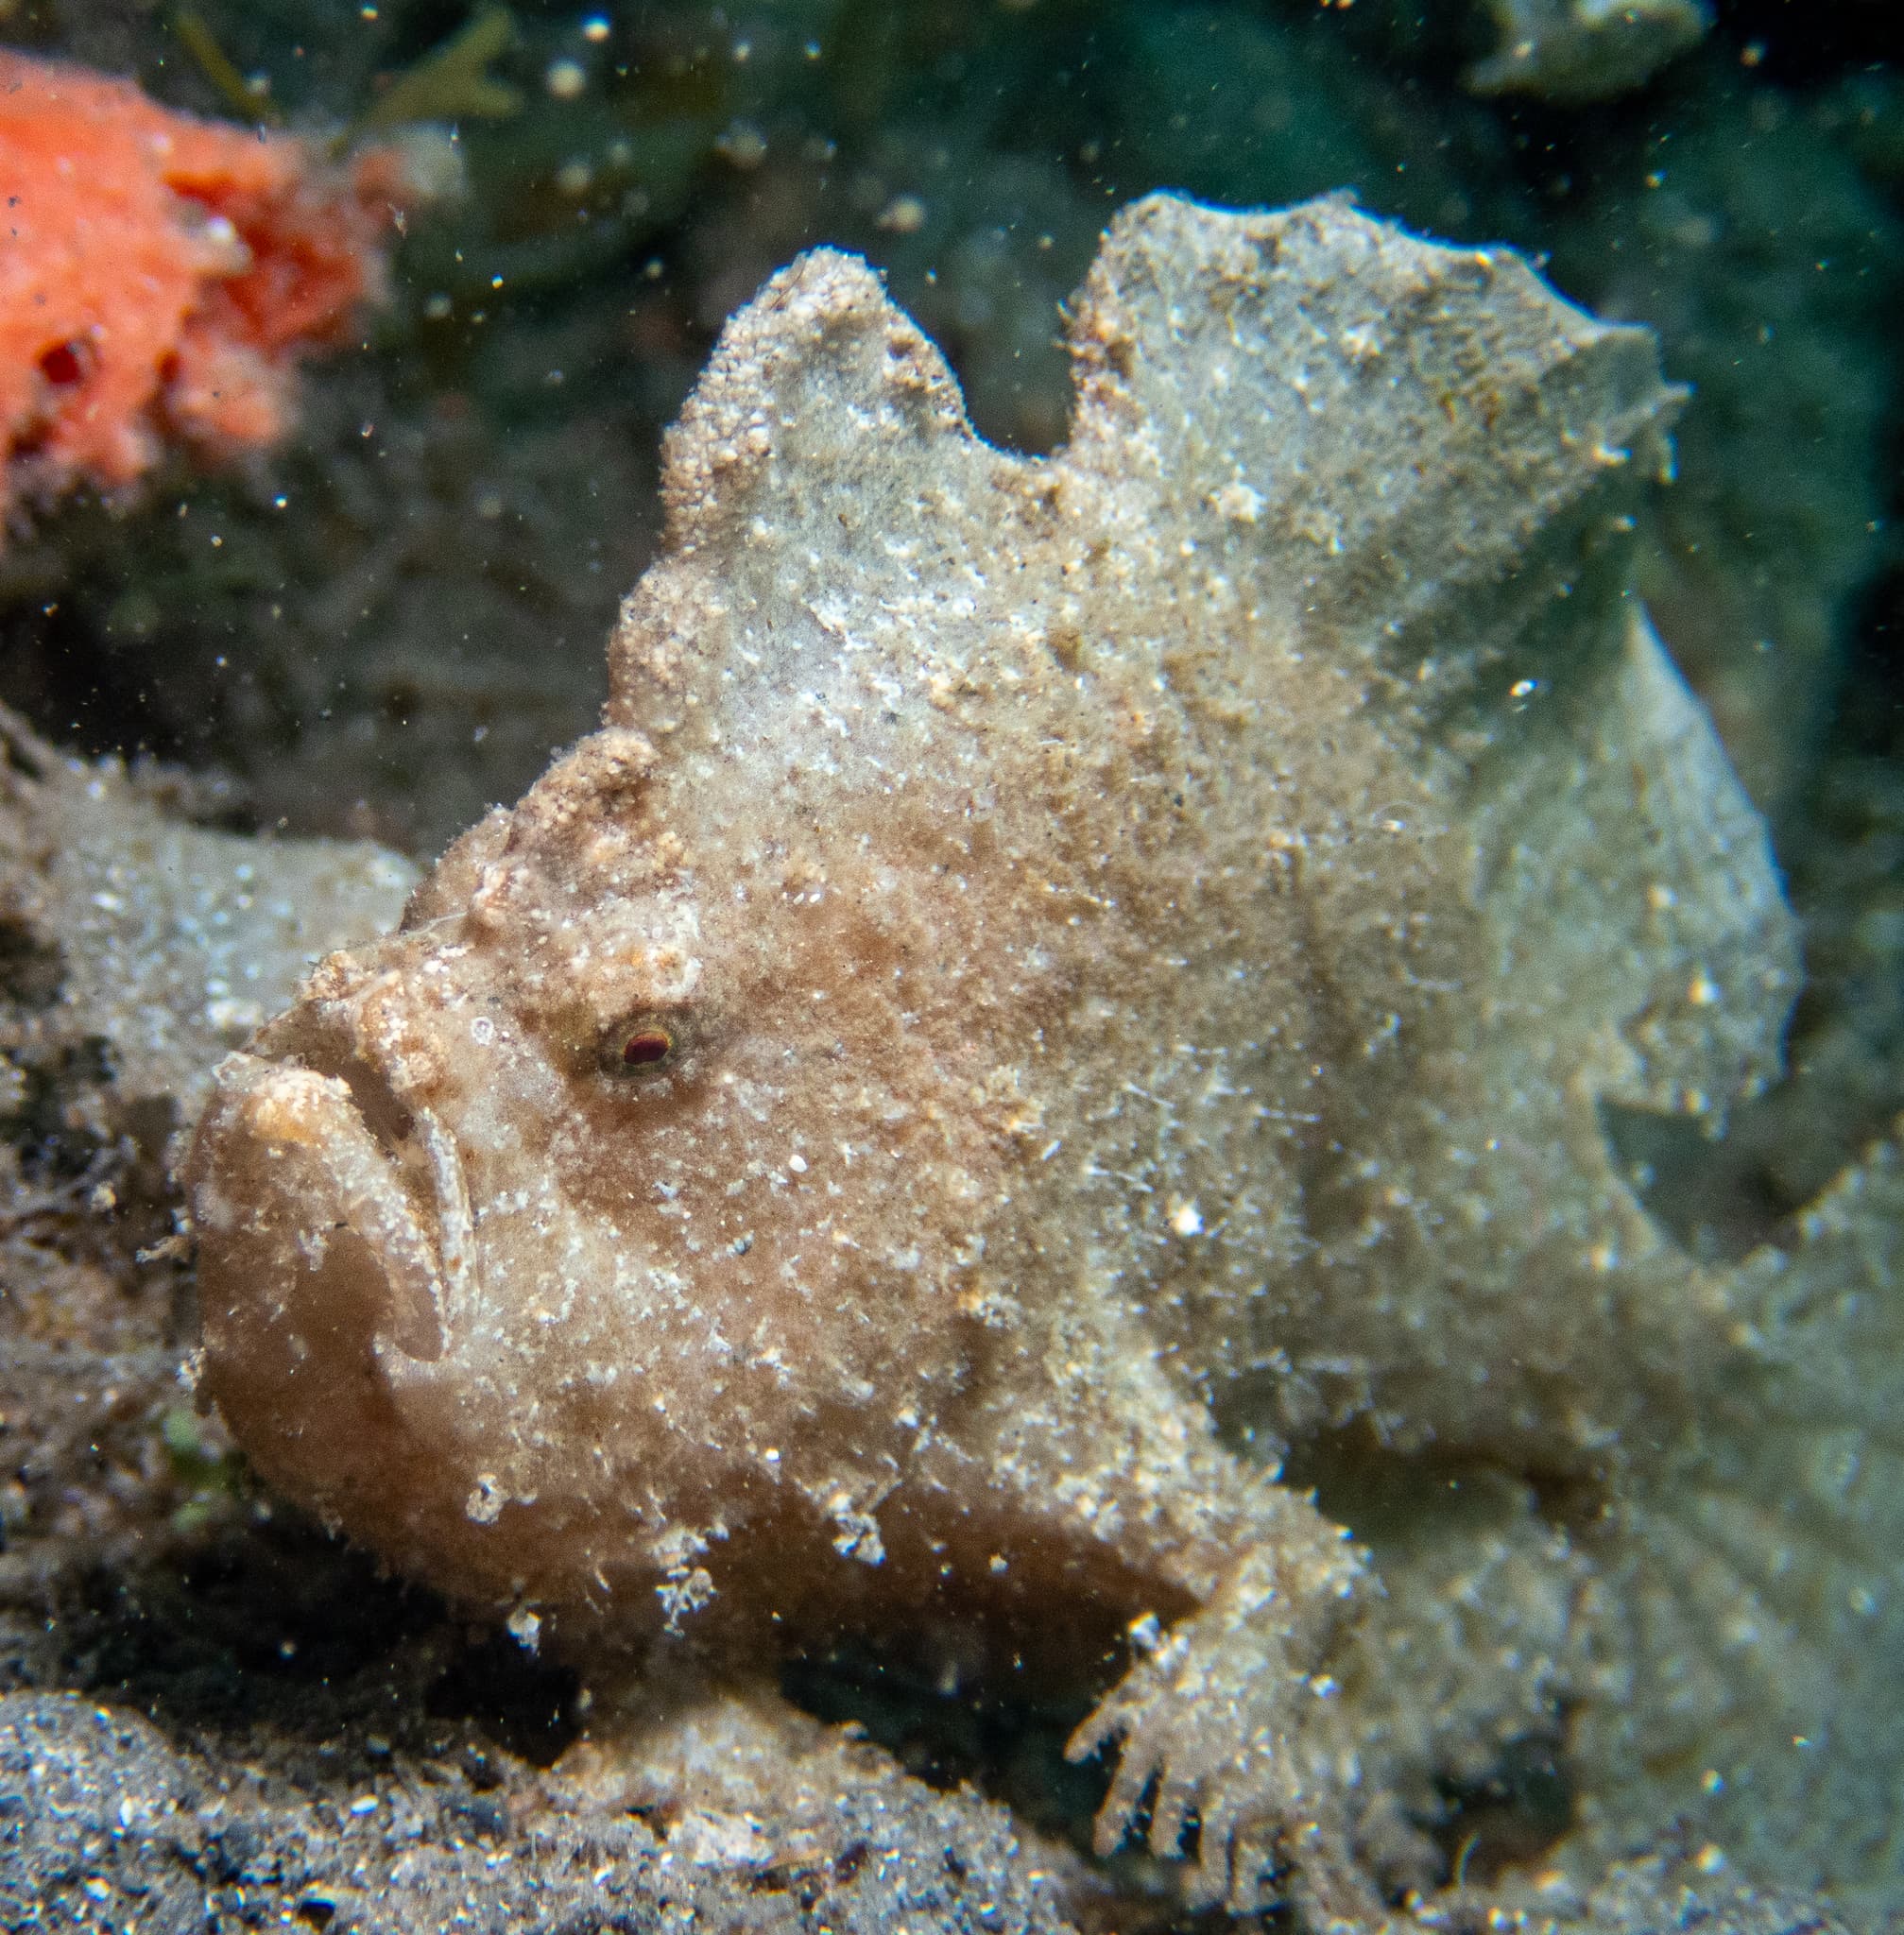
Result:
pixel 1225 1720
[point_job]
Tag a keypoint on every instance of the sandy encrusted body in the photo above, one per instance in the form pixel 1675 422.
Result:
pixel 1043 957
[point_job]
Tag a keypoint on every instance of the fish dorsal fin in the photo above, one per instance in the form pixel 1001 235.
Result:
pixel 820 388
pixel 823 462
pixel 1390 424
pixel 1336 554
pixel 1393 420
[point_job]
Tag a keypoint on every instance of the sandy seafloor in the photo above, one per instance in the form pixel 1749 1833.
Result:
pixel 211 1715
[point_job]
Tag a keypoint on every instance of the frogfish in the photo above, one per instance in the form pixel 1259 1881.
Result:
pixel 1062 1033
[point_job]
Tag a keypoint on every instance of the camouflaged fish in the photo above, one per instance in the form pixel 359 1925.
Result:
pixel 1059 984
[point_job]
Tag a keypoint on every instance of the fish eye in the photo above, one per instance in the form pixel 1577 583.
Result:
pixel 642 1046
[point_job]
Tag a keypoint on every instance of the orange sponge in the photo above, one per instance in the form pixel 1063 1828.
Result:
pixel 160 275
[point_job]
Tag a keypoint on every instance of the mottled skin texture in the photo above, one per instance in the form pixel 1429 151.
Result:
pixel 1037 950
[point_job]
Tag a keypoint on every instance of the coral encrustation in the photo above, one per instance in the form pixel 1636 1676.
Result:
pixel 161 275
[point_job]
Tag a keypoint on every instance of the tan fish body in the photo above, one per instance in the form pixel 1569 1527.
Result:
pixel 1041 956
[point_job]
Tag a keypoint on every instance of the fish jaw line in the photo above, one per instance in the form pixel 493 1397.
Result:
pixel 316 1143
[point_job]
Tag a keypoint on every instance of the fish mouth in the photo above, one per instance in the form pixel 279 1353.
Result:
pixel 395 1179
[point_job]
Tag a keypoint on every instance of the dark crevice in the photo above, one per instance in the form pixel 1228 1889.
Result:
pixel 1714 1197
pixel 31 970
pixel 1510 1818
pixel 525 1703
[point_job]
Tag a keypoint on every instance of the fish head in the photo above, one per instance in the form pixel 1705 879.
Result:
pixel 570 1191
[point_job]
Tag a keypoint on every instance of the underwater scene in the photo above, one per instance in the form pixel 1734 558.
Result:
pixel 952 966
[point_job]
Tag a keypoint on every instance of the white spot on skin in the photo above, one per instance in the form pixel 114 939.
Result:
pixel 684 1593
pixel 858 1537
